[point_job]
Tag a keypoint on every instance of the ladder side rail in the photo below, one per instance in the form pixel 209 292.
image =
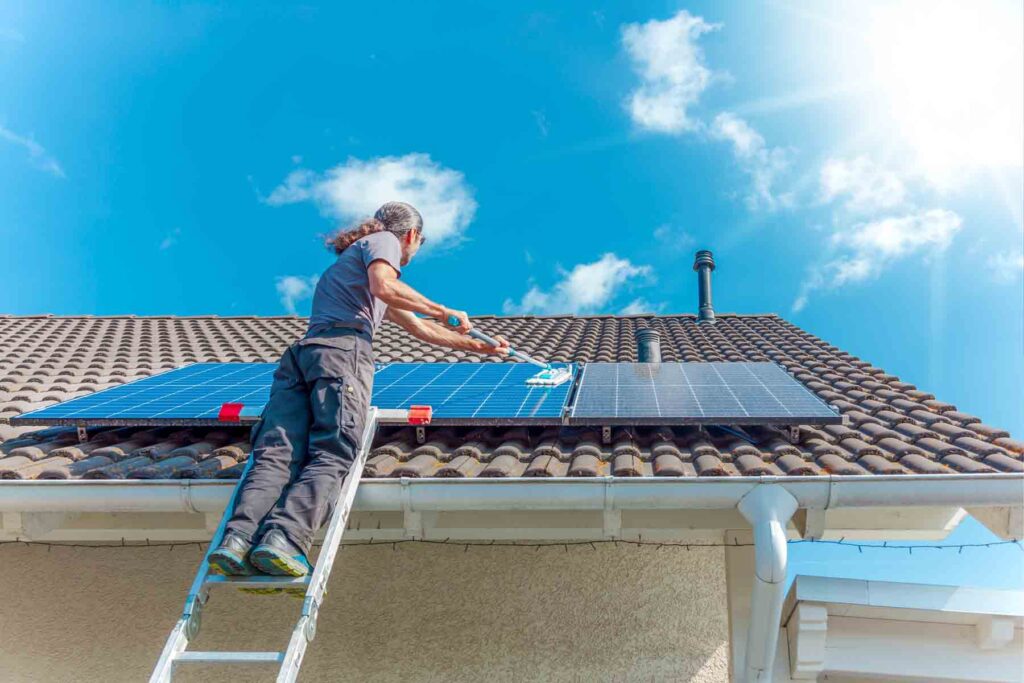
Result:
pixel 305 629
pixel 188 625
pixel 339 520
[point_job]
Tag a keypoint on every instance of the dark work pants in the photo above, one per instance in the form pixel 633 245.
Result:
pixel 306 440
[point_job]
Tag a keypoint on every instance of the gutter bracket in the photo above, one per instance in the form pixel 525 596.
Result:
pixel 186 497
pixel 33 525
pixel 768 508
pixel 11 523
pixel 811 523
pixel 612 517
pixel 412 521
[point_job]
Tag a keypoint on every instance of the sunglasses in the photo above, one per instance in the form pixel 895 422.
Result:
pixel 423 240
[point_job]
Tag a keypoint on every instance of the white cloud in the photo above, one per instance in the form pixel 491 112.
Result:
pixel 673 74
pixel 862 185
pixel 295 288
pixel 762 163
pixel 542 122
pixel 865 250
pixel 674 238
pixel 298 186
pixel 37 156
pixel 356 189
pixel 671 67
pixel 171 239
pixel 641 305
pixel 587 288
pixel 1006 267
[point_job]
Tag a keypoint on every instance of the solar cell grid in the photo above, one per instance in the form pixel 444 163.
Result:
pixel 467 393
pixel 477 393
pixel 470 392
pixel 695 393
pixel 192 394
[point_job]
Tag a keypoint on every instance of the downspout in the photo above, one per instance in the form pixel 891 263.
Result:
pixel 768 508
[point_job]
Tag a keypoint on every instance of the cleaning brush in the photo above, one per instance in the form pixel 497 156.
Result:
pixel 549 375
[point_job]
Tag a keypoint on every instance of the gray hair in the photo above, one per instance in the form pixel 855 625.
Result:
pixel 395 217
pixel 399 217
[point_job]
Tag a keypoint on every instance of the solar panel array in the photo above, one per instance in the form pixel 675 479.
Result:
pixel 476 393
pixel 695 393
pixel 190 395
pixel 468 393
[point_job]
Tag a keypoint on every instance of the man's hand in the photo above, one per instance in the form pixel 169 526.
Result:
pixel 435 333
pixel 464 325
pixel 483 347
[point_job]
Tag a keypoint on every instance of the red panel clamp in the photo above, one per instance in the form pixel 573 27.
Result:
pixel 420 415
pixel 229 412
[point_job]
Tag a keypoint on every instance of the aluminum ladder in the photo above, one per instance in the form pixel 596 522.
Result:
pixel 176 653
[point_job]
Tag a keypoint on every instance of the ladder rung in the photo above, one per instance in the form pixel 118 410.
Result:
pixel 231 657
pixel 258 581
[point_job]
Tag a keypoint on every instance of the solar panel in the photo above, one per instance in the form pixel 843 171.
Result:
pixel 463 393
pixel 471 393
pixel 695 393
pixel 189 395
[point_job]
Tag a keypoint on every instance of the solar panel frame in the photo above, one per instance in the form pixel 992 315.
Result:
pixel 695 394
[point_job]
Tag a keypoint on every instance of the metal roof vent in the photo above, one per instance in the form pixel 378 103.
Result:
pixel 704 264
pixel 648 345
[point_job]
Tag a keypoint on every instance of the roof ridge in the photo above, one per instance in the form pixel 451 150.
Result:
pixel 166 316
pixel 214 316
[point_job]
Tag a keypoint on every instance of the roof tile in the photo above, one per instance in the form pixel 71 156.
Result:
pixel 894 427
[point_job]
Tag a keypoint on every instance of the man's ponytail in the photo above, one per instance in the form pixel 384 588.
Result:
pixel 342 240
pixel 396 217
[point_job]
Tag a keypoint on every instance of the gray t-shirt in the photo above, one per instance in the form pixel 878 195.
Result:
pixel 343 292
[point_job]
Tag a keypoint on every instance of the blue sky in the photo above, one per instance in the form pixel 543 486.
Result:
pixel 855 167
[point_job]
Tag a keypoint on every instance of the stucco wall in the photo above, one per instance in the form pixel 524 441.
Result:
pixel 421 613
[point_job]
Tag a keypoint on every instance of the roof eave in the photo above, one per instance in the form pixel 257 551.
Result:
pixel 556 493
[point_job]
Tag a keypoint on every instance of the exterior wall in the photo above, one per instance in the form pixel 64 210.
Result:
pixel 418 613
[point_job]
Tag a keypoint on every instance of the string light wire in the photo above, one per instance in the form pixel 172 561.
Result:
pixel 466 545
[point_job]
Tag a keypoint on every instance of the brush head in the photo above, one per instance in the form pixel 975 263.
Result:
pixel 550 377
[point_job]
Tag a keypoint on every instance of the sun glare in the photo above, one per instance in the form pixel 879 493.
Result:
pixel 951 80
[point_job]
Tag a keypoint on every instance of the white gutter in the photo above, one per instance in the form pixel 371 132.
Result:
pixel 556 493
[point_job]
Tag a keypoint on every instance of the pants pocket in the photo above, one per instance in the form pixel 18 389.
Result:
pixel 339 366
pixel 254 435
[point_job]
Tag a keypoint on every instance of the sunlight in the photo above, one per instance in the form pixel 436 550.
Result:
pixel 951 77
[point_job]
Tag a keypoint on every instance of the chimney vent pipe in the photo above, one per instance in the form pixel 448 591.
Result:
pixel 704 264
pixel 648 345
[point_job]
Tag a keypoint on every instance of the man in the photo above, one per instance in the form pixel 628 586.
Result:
pixel 310 430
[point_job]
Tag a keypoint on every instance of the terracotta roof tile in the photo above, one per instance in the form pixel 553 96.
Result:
pixel 1012 445
pixel 894 428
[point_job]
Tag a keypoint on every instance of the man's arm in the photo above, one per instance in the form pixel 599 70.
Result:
pixel 385 285
pixel 432 333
